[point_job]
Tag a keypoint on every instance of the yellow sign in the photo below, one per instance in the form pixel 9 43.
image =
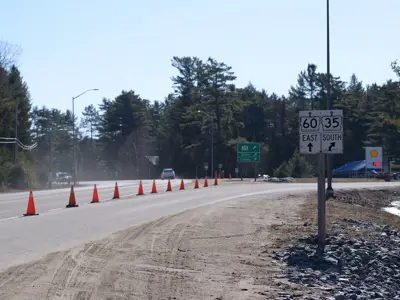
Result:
pixel 374 153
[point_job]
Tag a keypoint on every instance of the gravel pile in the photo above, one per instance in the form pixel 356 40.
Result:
pixel 366 267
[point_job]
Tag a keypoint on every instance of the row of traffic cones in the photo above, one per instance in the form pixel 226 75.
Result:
pixel 31 209
pixel 169 187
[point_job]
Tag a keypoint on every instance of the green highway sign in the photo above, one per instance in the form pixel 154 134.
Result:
pixel 248 152
pixel 248 147
pixel 248 157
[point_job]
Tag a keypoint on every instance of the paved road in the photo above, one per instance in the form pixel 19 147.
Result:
pixel 26 238
pixel 14 204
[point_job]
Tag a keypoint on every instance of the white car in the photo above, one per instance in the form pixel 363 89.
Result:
pixel 168 174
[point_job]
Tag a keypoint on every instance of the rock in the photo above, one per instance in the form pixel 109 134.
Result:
pixel 354 268
pixel 341 296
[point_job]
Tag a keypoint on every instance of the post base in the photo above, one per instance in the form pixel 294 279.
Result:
pixel 330 193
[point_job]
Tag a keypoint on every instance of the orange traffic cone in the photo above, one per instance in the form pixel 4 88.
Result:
pixel 95 198
pixel 72 200
pixel 205 182
pixel 154 188
pixel 31 210
pixel 196 183
pixel 182 185
pixel 169 188
pixel 216 180
pixel 140 191
pixel 116 192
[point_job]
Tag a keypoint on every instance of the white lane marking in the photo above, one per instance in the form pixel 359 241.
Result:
pixel 54 209
pixel 10 218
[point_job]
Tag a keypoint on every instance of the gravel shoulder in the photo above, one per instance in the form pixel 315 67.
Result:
pixel 231 250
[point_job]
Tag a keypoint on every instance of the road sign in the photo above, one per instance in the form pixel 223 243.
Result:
pixel 248 152
pixel 219 166
pixel 248 147
pixel 332 143
pixel 310 143
pixel 321 131
pixel 373 157
pixel 249 157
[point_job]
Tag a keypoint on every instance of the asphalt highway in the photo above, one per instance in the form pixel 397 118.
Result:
pixel 57 228
pixel 13 205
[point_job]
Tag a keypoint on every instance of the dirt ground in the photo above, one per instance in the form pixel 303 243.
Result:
pixel 215 252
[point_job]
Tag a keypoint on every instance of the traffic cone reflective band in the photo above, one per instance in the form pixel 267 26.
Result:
pixel 196 183
pixel 31 210
pixel 205 182
pixel 140 191
pixel 169 188
pixel 116 192
pixel 72 200
pixel 216 180
pixel 182 187
pixel 95 198
pixel 154 188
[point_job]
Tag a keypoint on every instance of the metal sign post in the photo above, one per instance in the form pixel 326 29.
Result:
pixel 321 132
pixel 206 168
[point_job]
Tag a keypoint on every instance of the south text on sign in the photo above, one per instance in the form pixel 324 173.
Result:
pixel 331 137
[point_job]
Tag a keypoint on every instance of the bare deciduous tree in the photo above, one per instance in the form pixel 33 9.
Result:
pixel 9 54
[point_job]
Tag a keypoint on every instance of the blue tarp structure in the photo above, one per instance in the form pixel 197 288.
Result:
pixel 353 169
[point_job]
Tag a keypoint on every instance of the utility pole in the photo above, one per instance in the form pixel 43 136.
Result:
pixel 212 148
pixel 73 141
pixel 50 157
pixel 329 158
pixel 16 131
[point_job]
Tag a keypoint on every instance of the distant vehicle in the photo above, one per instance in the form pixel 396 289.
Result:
pixel 388 176
pixel 168 174
pixel 63 177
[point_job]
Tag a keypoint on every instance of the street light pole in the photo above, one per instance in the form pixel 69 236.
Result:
pixel 329 189
pixel 73 133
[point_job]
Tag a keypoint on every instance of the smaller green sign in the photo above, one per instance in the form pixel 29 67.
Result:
pixel 219 166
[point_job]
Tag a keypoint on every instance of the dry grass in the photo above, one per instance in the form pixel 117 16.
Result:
pixel 358 205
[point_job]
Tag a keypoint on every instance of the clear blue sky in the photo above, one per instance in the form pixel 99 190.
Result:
pixel 70 46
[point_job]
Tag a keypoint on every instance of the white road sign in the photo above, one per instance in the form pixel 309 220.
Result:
pixel 332 142
pixel 310 143
pixel 321 131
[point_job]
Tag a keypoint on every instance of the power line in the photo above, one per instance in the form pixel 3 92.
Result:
pixel 6 140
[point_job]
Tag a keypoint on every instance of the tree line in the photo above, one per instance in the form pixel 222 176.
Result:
pixel 131 137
